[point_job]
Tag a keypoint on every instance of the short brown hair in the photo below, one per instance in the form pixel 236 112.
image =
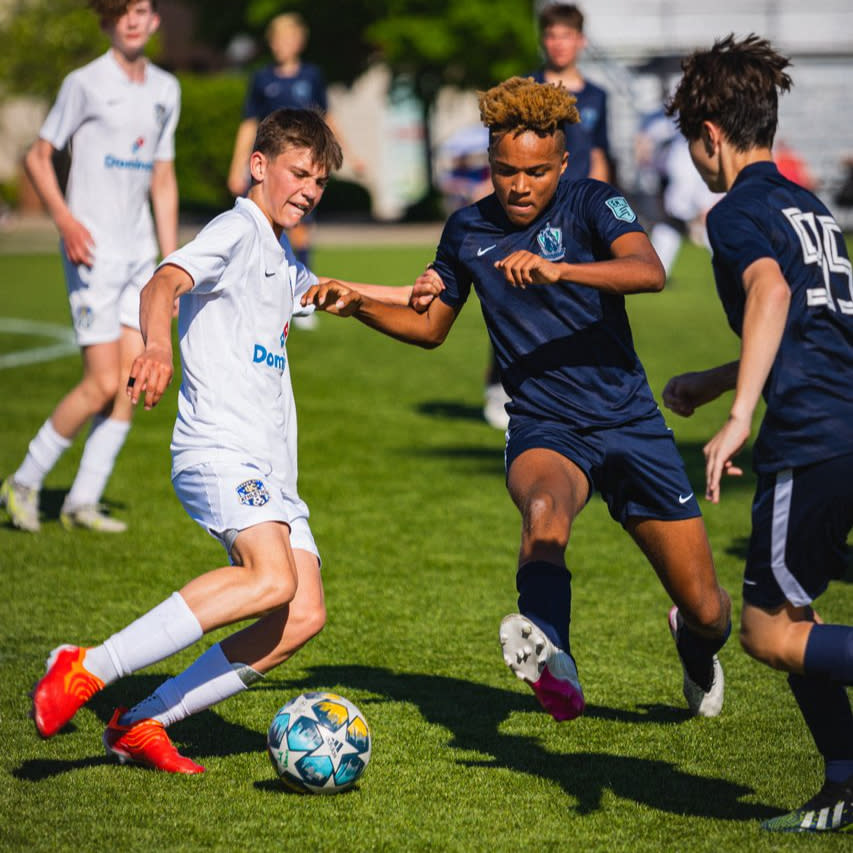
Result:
pixel 521 104
pixel 566 14
pixel 293 128
pixel 735 84
pixel 109 11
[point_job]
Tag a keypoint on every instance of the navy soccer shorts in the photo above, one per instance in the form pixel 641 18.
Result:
pixel 636 467
pixel 800 521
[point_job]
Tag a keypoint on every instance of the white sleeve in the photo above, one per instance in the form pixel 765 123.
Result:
pixel 303 280
pixel 206 257
pixel 67 113
pixel 165 149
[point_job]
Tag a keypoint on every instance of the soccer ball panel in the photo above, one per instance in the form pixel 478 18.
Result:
pixel 319 743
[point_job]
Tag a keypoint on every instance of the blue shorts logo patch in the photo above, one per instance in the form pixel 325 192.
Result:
pixel 253 493
pixel 620 208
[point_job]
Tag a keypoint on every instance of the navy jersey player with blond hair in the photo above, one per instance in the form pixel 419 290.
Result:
pixel 551 261
pixel 784 278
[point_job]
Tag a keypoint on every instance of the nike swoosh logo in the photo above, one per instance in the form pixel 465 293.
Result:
pixel 481 252
pixel 683 499
pixel 750 583
pixel 268 274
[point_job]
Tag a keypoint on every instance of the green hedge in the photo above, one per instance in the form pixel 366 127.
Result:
pixel 211 109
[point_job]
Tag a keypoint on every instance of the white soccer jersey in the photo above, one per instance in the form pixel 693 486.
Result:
pixel 236 401
pixel 117 130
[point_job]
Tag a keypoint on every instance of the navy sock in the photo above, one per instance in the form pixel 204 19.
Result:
pixel 826 710
pixel 545 597
pixel 697 653
pixel 829 652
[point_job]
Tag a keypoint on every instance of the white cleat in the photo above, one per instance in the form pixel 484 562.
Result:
pixel 550 672
pixel 494 410
pixel 91 518
pixel 702 703
pixel 22 505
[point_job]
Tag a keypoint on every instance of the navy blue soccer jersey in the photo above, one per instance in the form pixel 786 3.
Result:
pixel 589 133
pixel 809 414
pixel 565 350
pixel 270 91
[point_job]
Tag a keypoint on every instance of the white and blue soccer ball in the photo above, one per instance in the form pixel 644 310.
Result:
pixel 319 743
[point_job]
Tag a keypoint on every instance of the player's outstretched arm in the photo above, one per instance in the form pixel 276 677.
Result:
pixel 768 298
pixel 76 238
pixel 151 372
pixel 633 268
pixel 418 296
pixel 426 328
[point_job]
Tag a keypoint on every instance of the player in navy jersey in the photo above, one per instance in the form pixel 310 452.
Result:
pixel 551 260
pixel 784 278
pixel 563 41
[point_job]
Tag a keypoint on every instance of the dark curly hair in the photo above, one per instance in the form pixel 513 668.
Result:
pixel 735 84
pixel 521 104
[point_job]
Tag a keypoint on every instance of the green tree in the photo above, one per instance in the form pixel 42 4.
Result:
pixel 42 40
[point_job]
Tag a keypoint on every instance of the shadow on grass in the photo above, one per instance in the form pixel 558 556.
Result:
pixel 473 714
pixel 451 409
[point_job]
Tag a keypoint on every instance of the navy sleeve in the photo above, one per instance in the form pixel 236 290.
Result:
pixel 737 239
pixel 606 212
pixel 600 138
pixel 254 105
pixel 456 278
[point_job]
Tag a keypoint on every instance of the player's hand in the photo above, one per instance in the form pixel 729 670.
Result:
pixel 684 393
pixel 78 242
pixel 719 452
pixel 333 297
pixel 426 287
pixel 523 268
pixel 151 373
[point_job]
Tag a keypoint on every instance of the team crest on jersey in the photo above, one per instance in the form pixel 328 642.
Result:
pixel 620 208
pixel 589 116
pixel 253 493
pixel 137 144
pixel 551 243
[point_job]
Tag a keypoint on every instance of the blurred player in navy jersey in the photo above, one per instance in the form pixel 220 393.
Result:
pixel 551 260
pixel 785 282
pixel 119 114
pixel 587 142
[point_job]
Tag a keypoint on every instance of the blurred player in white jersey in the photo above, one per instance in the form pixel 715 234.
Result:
pixel 119 115
pixel 234 464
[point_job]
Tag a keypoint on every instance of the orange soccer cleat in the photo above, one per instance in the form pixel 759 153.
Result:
pixel 145 743
pixel 65 687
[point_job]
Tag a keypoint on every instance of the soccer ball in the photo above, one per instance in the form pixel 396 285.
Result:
pixel 319 743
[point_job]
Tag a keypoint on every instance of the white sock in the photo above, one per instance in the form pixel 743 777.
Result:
pixel 168 628
pixel 208 680
pixel 666 241
pixel 42 454
pixel 106 438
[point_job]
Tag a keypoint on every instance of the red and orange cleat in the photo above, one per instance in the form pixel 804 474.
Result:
pixel 65 687
pixel 145 743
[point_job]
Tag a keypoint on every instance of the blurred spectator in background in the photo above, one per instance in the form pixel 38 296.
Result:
pixel 466 177
pixel 793 166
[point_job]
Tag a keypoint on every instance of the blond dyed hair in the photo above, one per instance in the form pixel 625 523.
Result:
pixel 521 104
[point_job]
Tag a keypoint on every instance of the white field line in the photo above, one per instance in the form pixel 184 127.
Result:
pixel 65 342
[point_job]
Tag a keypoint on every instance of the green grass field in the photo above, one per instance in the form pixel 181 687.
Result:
pixel 405 483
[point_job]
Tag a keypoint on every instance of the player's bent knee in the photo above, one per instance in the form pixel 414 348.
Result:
pixel 273 590
pixel 544 523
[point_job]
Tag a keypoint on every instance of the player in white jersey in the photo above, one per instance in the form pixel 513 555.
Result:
pixel 234 457
pixel 118 115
